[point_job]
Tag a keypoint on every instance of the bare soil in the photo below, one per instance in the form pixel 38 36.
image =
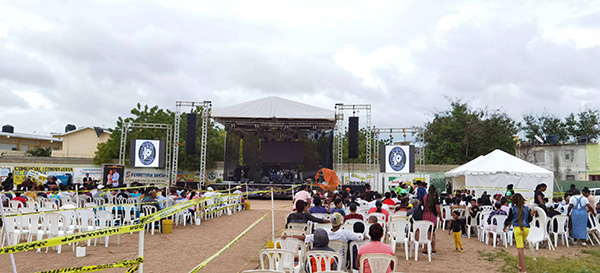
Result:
pixel 188 246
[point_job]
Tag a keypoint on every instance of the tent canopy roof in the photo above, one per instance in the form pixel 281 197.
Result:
pixel 499 161
pixel 273 108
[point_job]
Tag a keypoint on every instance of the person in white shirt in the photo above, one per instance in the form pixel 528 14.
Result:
pixel 237 190
pixel 378 198
pixel 115 179
pixel 335 233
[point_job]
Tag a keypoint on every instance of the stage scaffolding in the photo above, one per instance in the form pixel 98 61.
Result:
pixel 419 135
pixel 204 108
pixel 339 135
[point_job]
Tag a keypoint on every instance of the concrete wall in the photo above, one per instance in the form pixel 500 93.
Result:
pixel 81 144
pixel 568 162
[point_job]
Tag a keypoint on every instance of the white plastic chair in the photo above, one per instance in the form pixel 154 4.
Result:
pixel 281 260
pixel 470 225
pixel 498 231
pixel 380 217
pixel 425 231
pixel 594 229
pixel 536 236
pixel 262 271
pixel 341 248
pixel 481 229
pixel 446 216
pixel 106 220
pixel 379 263
pixel 320 215
pixel 325 226
pixel 147 210
pixel 354 245
pixel 323 259
pixel 541 221
pixel 15 204
pixel 32 204
pixel 398 234
pixel 53 223
pixel 560 224
pixel 295 245
pixel 485 209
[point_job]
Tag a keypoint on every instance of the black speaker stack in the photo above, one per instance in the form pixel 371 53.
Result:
pixel 190 135
pixel 353 137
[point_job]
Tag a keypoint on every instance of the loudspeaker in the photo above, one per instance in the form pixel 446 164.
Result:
pixel 190 134
pixel 353 137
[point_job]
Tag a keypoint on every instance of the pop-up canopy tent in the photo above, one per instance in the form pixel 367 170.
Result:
pixel 330 180
pixel 494 171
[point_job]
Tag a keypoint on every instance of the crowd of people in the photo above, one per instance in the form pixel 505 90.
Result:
pixel 422 202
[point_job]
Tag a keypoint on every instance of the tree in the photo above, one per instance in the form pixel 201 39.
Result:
pixel 362 146
pixel 460 134
pixel 545 125
pixel 109 151
pixel 41 152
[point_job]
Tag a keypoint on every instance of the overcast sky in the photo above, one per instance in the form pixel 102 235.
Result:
pixel 90 61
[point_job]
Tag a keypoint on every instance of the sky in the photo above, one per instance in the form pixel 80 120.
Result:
pixel 88 62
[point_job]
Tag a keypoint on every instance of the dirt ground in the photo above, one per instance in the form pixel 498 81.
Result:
pixel 188 246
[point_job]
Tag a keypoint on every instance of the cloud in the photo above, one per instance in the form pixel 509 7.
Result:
pixel 96 61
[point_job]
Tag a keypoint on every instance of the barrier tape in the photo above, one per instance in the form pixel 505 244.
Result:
pixel 214 256
pixel 104 189
pixel 93 207
pixel 83 236
pixel 62 240
pixel 132 264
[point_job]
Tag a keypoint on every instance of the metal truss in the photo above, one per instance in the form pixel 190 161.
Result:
pixel 204 108
pixel 161 126
pixel 419 134
pixel 339 134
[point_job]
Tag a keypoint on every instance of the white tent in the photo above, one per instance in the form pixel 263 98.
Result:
pixel 494 171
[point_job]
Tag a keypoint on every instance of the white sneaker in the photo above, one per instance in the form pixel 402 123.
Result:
pixel 583 244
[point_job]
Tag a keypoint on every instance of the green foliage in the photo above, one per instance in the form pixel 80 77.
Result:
pixel 587 262
pixel 109 152
pixel 41 152
pixel 362 146
pixel 574 126
pixel 460 134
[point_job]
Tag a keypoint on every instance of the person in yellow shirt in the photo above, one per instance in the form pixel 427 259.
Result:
pixel 31 194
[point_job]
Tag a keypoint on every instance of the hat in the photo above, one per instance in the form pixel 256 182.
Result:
pixel 336 219
pixel 321 239
pixel 100 187
pixel 238 187
pixel 210 189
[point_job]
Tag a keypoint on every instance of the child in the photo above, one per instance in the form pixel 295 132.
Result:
pixel 456 225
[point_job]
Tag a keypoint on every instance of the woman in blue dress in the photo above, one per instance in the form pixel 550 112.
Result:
pixel 577 210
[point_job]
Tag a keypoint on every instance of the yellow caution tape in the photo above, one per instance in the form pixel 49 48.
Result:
pixel 83 236
pixel 211 258
pixel 61 240
pixel 133 264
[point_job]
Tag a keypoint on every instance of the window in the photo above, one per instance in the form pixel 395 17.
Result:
pixel 6 146
pixel 25 148
pixel 569 155
pixel 570 177
pixel 594 177
pixel 539 157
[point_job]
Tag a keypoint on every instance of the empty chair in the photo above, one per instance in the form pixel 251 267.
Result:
pixel 106 220
pixel 295 245
pixel 31 204
pixel 147 210
pixel 594 229
pixel 398 234
pixel 281 260
pixel 536 236
pixel 8 228
pixel 15 204
pixel 446 216
pixel 559 226
pixel 379 263
pixel 423 231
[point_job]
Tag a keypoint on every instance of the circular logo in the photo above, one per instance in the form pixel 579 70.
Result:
pixel 147 153
pixel 397 159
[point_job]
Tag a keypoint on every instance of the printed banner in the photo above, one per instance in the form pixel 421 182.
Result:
pixel 20 173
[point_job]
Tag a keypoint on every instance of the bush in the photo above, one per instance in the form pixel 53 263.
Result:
pixel 45 152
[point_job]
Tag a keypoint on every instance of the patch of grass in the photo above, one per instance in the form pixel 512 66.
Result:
pixel 586 263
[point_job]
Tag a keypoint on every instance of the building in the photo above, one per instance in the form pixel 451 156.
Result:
pixel 80 143
pixel 567 161
pixel 17 144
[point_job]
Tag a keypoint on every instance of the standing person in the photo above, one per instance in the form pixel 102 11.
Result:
pixel 431 211
pixel 8 183
pixel 509 191
pixel 539 196
pixel 421 192
pixel 374 247
pixel 586 192
pixel 303 195
pixel 115 179
pixel 456 228
pixel 577 209
pixel 519 216
pixel 109 177
pixel 571 191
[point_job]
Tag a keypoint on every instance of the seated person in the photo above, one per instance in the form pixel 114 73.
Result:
pixel 339 207
pixel 372 219
pixel 374 247
pixel 21 199
pixel 320 243
pixel 388 199
pixel 318 208
pixel 403 205
pixel 378 208
pixel 353 214
pixel 491 226
pixel 150 197
pixel 301 216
